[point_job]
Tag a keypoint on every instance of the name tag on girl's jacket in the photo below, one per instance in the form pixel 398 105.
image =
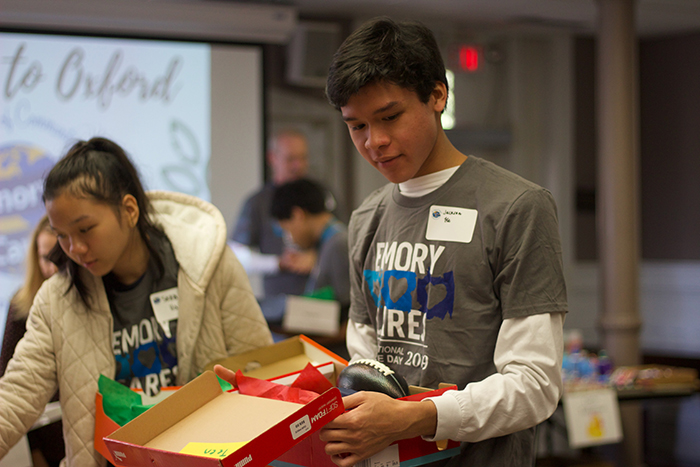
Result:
pixel 165 308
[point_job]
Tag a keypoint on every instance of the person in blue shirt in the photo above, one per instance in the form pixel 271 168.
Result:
pixel 301 209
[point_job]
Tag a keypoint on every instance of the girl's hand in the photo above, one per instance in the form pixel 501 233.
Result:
pixel 225 374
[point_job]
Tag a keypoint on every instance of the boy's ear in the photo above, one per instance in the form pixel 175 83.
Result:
pixel 440 96
pixel 298 212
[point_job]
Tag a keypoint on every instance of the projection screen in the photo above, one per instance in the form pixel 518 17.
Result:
pixel 190 114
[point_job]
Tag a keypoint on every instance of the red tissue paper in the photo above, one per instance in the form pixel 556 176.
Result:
pixel 308 385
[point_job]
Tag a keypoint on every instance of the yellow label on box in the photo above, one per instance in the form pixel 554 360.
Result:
pixel 215 450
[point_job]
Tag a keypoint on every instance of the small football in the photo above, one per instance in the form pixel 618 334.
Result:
pixel 371 375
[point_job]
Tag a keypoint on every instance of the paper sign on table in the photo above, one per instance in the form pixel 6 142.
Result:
pixel 592 417
pixel 311 315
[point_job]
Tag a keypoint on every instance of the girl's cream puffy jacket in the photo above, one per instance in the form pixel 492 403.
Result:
pixel 67 346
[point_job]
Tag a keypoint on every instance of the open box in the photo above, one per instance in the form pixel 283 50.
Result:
pixel 201 425
pixel 284 358
pixel 279 363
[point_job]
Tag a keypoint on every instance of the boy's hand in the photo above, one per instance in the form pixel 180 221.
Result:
pixel 372 422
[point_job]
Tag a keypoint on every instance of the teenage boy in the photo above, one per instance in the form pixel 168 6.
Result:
pixel 456 269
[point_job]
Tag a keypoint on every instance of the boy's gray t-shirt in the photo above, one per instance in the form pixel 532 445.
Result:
pixel 436 276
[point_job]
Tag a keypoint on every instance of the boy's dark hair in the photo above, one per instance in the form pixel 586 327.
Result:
pixel 99 169
pixel 306 194
pixel 402 53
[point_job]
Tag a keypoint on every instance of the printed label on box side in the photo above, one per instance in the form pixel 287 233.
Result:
pixel 325 409
pixel 300 427
pixel 387 458
pixel 119 456
pixel 246 460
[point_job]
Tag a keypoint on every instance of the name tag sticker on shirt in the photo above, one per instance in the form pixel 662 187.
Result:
pixel 165 307
pixel 450 224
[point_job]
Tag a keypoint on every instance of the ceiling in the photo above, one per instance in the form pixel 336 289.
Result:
pixel 274 20
pixel 653 17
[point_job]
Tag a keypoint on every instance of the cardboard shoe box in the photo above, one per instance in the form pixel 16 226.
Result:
pixel 147 440
pixel 200 425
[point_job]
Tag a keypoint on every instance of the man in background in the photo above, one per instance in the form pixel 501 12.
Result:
pixel 257 239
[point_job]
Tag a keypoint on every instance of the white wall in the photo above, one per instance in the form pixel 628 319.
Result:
pixel 236 168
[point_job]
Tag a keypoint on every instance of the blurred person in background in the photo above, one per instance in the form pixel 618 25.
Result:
pixel 256 237
pixel 301 210
pixel 46 443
